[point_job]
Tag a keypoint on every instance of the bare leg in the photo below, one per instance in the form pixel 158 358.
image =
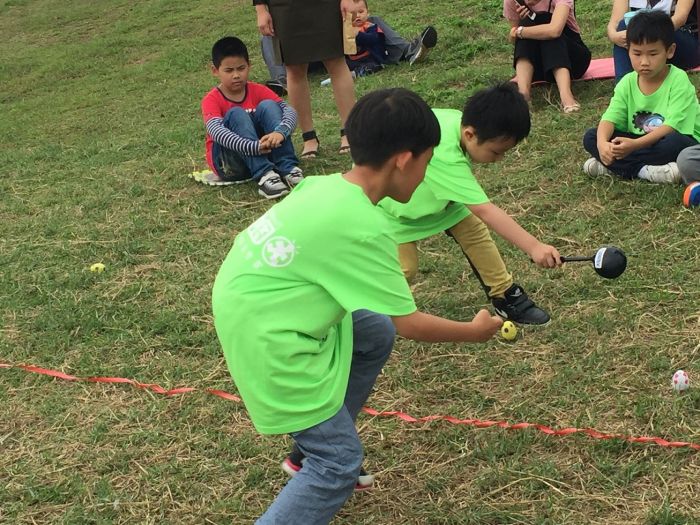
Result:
pixel 343 89
pixel 524 71
pixel 300 100
pixel 562 77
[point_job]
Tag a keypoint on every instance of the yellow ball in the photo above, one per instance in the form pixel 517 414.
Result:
pixel 508 331
pixel 97 268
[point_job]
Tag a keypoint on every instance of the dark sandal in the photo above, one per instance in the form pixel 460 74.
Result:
pixel 312 153
pixel 343 149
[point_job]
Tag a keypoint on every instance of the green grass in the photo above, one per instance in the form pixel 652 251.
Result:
pixel 100 124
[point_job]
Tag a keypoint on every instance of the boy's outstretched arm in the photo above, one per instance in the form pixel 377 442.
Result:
pixel 504 225
pixel 420 326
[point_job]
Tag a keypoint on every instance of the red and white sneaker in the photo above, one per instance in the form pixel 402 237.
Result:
pixel 295 461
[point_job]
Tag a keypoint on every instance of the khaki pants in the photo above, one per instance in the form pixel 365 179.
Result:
pixel 476 243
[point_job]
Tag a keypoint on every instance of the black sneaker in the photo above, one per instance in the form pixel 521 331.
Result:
pixel 271 186
pixel 295 461
pixel 516 306
pixel 423 44
pixel 278 87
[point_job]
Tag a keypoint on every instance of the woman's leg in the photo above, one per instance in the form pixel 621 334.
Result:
pixel 300 100
pixel 621 57
pixel 524 72
pixel 687 55
pixel 343 90
pixel 562 77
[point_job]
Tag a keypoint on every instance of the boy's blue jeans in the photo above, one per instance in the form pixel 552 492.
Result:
pixel 687 55
pixel 263 120
pixel 332 448
pixel 665 150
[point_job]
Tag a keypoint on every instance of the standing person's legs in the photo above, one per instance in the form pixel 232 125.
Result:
pixel 408 258
pixel 343 92
pixel 621 57
pixel 267 116
pixel 240 122
pixel 277 71
pixel 316 492
pixel 689 164
pixel 300 100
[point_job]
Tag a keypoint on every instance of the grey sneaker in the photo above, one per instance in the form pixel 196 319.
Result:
pixel 271 186
pixel 294 177
pixel 595 168
pixel 665 174
pixel 424 43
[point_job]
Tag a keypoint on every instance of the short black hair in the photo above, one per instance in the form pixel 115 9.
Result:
pixel 229 46
pixel 388 121
pixel 498 111
pixel 647 27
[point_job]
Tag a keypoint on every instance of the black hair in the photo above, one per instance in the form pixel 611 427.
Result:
pixel 498 111
pixel 647 27
pixel 388 121
pixel 229 46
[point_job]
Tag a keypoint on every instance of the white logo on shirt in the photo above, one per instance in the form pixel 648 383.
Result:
pixel 278 252
pixel 261 230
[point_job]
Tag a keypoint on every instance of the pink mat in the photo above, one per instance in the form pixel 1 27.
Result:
pixel 602 68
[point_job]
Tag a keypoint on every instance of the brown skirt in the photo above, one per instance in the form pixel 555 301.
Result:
pixel 307 30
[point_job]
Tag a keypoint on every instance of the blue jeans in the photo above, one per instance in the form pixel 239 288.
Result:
pixel 332 448
pixel 263 120
pixel 665 150
pixel 687 55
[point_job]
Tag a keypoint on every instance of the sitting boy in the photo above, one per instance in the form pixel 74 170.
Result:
pixel 450 199
pixel 294 303
pixel 248 127
pixel 654 113
pixel 370 41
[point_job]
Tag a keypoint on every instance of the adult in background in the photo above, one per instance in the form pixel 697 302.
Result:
pixel 548 46
pixel 308 31
pixel 683 13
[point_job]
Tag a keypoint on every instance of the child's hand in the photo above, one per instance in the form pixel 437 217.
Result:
pixel 622 146
pixel 485 326
pixel 271 140
pixel 605 151
pixel 545 256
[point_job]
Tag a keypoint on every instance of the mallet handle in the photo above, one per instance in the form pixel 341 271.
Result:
pixel 576 258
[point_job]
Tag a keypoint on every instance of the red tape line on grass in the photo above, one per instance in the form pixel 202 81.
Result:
pixel 595 434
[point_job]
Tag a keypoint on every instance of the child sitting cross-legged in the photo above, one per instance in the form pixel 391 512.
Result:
pixel 654 113
pixel 248 127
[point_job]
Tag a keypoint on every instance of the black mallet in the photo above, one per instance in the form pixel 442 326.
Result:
pixel 608 261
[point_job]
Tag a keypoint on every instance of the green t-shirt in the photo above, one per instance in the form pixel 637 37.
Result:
pixel 283 299
pixel 439 201
pixel 674 104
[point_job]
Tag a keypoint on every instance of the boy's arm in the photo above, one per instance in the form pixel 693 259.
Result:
pixel 230 140
pixel 420 326
pixel 623 146
pixel 288 121
pixel 504 225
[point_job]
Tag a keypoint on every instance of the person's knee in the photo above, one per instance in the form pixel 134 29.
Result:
pixel 235 116
pixel 345 464
pixel 386 333
pixel 689 164
pixel 269 106
pixel 590 141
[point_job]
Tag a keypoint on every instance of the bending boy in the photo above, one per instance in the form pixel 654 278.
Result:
pixel 451 200
pixel 295 300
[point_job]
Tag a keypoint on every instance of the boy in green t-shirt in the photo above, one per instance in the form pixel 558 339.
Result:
pixel 451 200
pixel 654 113
pixel 295 299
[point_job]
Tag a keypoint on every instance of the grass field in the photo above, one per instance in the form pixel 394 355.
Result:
pixel 100 124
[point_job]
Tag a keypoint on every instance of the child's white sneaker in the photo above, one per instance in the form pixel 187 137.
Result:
pixel 271 186
pixel 294 177
pixel 595 168
pixel 665 174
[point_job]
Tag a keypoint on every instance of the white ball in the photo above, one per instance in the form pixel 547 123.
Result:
pixel 680 381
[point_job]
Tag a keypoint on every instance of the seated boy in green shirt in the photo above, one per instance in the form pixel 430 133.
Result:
pixel 654 113
pixel 306 308
pixel 451 200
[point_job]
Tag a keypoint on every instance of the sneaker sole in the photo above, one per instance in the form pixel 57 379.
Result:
pixel 429 37
pixel 197 176
pixel 271 197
